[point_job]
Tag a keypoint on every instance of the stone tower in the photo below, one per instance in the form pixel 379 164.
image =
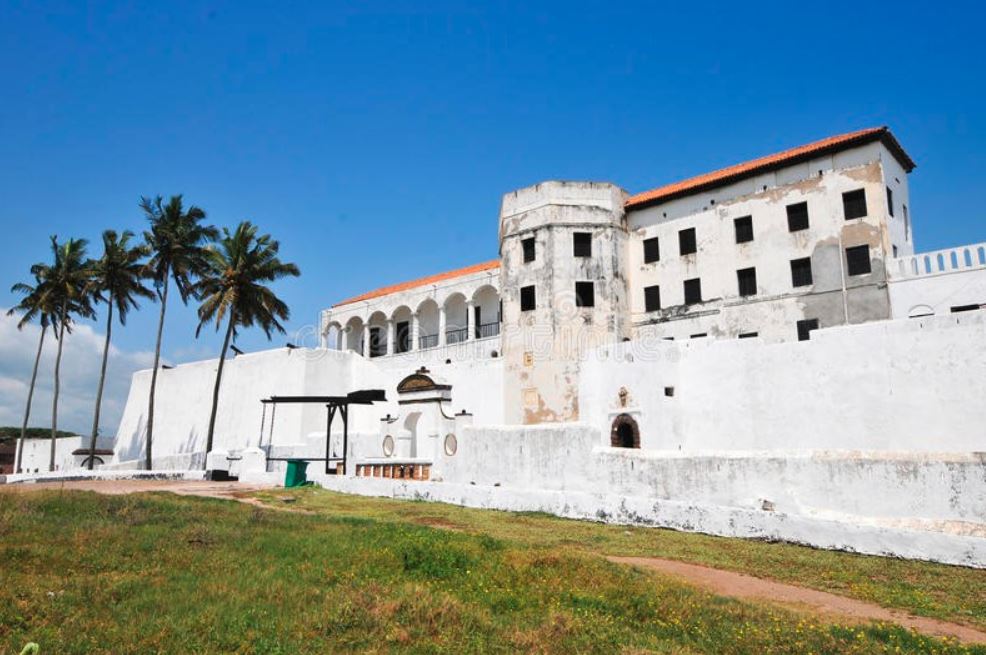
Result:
pixel 564 291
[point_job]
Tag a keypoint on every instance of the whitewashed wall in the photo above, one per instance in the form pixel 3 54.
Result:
pixel 37 454
pixel 184 401
pixel 902 386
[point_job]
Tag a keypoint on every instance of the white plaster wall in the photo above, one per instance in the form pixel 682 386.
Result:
pixel 901 386
pixel 934 282
pixel 184 400
pixel 37 454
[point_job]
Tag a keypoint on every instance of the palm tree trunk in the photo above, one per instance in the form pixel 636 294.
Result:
pixel 219 377
pixel 102 379
pixel 54 400
pixel 30 395
pixel 157 360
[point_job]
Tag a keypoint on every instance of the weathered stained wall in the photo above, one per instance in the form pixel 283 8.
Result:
pixel 834 298
pixel 541 347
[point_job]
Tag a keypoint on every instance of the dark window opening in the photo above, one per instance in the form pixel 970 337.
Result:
pixel 699 335
pixel 378 345
pixel 805 328
pixel 890 201
pixel 403 333
pixel 895 250
pixel 529 251
pixel 693 291
pixel 747 280
pixel 858 260
pixel 585 294
pixel 797 217
pixel 748 335
pixel 964 308
pixel 686 241
pixel 625 432
pixel 652 250
pixel 582 244
pixel 652 298
pixel 669 391
pixel 527 299
pixel 854 203
pixel 744 229
pixel 801 272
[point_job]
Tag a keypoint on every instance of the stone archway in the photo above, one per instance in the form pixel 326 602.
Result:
pixel 625 432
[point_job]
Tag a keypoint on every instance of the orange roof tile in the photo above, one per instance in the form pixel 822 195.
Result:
pixel 732 174
pixel 431 279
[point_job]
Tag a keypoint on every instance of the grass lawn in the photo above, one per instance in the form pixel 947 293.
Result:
pixel 159 573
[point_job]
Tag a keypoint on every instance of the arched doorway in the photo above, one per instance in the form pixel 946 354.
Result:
pixel 625 432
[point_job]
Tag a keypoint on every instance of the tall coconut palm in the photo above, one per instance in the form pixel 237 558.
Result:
pixel 234 288
pixel 69 279
pixel 116 279
pixel 177 239
pixel 38 303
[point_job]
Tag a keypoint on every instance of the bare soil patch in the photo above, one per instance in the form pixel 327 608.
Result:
pixel 747 587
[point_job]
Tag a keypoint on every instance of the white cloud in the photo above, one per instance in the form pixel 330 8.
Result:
pixel 81 359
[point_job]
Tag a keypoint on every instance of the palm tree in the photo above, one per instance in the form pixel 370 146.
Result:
pixel 177 240
pixel 38 302
pixel 69 280
pixel 117 280
pixel 233 288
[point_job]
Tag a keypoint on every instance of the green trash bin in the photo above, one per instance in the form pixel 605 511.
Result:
pixel 295 476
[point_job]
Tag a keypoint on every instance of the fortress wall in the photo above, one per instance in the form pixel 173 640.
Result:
pixel 910 385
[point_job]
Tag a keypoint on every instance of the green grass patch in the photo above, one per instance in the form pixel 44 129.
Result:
pixel 159 573
pixel 950 593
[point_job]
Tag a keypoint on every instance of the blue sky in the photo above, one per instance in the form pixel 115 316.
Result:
pixel 374 140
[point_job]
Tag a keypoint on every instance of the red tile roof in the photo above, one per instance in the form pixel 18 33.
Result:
pixel 421 282
pixel 738 172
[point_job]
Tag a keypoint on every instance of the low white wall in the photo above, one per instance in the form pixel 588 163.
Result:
pixel 911 385
pixel 937 294
pixel 37 454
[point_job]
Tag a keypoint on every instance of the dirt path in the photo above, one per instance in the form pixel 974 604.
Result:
pixel 747 587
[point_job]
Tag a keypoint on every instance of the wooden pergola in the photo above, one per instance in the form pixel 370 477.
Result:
pixel 332 405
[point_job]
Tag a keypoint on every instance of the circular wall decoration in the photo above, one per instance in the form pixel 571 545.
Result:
pixel 451 444
pixel 388 445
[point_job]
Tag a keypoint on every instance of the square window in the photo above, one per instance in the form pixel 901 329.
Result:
pixel 585 294
pixel 801 272
pixel 686 241
pixel 652 298
pixel 858 260
pixel 747 280
pixel 693 291
pixel 652 250
pixel 797 217
pixel 805 328
pixel 527 299
pixel 582 244
pixel 744 229
pixel 854 203
pixel 529 252
pixel 890 201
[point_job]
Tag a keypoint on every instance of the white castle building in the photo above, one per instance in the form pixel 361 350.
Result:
pixel 755 352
